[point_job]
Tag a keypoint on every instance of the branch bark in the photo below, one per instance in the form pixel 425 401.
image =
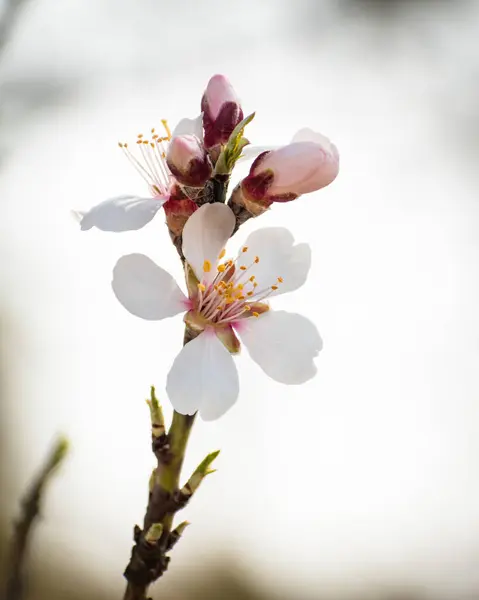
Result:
pixel 31 505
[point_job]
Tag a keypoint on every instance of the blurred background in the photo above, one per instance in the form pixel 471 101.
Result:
pixel 364 483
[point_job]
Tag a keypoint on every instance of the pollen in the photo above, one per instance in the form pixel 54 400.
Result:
pixel 256 259
pixel 221 268
pixel 252 278
pixel 280 280
pixel 255 314
pixel 222 254
pixel 245 249
pixel 207 266
pixel 243 268
pixel 250 293
pixel 247 307
pixel 274 287
pixel 201 287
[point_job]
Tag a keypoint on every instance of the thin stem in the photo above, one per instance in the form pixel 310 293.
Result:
pixel 148 560
pixel 23 527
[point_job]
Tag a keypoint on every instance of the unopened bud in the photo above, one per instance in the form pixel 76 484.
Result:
pixel 309 163
pixel 221 111
pixel 188 161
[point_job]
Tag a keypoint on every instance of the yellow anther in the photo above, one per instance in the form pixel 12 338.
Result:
pixel 274 287
pixel 255 314
pixel 152 130
pixel 155 136
pixel 239 297
pixel 240 286
pixel 140 135
pixel 243 268
pixel 120 144
pixel 250 293
pixel 207 266
pixel 163 155
pixel 280 280
pixel 256 259
pixel 252 278
pixel 245 249
pixel 221 268
pixel 255 284
pixel 202 287
pixel 152 144
pixel 138 141
pixel 164 122
pixel 229 300
pixel 146 142
pixel 247 307
pixel 125 145
pixel 222 253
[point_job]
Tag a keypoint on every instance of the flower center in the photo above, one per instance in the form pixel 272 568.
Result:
pixel 150 160
pixel 234 293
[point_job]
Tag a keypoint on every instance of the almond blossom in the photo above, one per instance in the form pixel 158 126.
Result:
pixel 309 163
pixel 227 304
pixel 129 212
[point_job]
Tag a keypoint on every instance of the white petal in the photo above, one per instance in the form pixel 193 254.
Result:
pixel 145 289
pixel 203 377
pixel 278 257
pixel 205 235
pixel 251 152
pixel 283 344
pixel 308 135
pixel 123 213
pixel 190 127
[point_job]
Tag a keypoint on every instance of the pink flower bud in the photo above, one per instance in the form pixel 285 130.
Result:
pixel 221 111
pixel 188 161
pixel 309 163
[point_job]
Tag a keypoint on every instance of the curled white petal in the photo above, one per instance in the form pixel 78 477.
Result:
pixel 123 213
pixel 251 152
pixel 278 257
pixel 203 377
pixel 283 344
pixel 145 289
pixel 204 237
pixel 189 127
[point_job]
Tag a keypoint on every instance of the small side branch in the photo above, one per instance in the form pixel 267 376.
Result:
pixel 30 510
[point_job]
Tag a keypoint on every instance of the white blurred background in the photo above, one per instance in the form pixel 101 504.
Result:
pixel 365 479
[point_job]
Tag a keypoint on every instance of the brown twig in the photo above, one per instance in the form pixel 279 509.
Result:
pixel 148 559
pixel 30 511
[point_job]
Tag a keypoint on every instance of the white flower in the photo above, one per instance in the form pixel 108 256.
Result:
pixel 225 298
pixel 127 213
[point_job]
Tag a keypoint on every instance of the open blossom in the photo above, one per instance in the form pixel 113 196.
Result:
pixel 226 303
pixel 221 111
pixel 127 212
pixel 309 163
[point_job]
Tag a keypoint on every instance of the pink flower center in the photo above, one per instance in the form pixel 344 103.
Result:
pixel 234 293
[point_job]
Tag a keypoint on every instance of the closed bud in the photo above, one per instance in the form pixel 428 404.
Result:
pixel 188 161
pixel 309 163
pixel 221 111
